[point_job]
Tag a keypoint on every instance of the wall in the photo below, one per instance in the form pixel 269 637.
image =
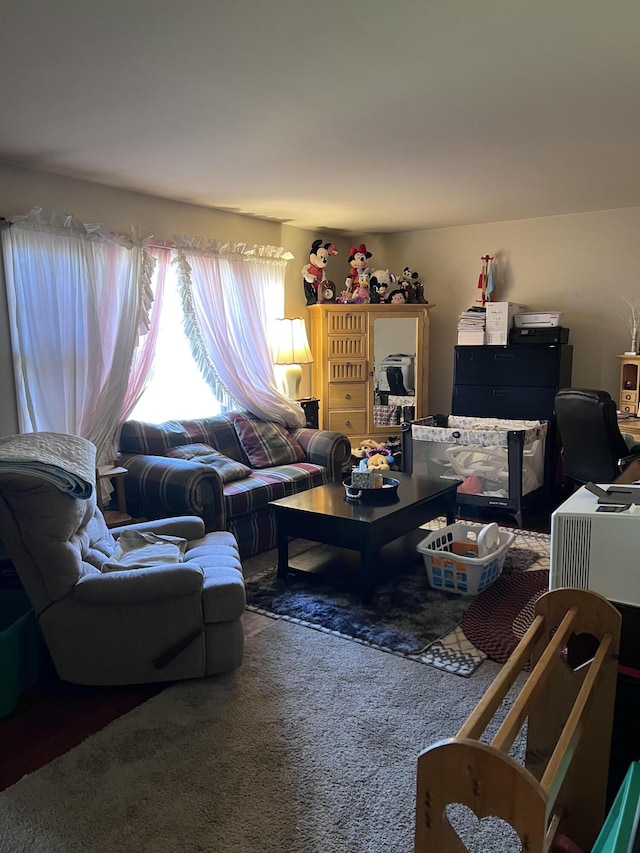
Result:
pixel 585 265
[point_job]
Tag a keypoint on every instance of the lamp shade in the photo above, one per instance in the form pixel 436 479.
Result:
pixel 292 351
pixel 293 345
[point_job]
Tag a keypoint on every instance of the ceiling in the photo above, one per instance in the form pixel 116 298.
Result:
pixel 353 115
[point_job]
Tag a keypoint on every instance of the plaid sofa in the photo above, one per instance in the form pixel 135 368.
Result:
pixel 158 486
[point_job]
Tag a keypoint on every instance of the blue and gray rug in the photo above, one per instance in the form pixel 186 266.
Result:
pixel 407 617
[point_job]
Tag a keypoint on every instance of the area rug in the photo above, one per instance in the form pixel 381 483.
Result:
pixel 407 617
pixel 310 746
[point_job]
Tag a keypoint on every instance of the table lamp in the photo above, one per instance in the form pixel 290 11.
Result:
pixel 292 351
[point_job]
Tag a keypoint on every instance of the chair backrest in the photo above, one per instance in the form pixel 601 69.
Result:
pixel 52 538
pixel 592 443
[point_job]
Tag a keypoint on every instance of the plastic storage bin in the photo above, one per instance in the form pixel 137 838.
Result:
pixel 449 564
pixel 19 648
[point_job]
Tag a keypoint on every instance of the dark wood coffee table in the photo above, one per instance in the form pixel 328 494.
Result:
pixel 324 515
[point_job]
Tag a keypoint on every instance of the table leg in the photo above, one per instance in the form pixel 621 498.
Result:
pixel 283 553
pixel 368 572
pixel 451 506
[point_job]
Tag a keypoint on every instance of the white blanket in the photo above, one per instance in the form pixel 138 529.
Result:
pixel 67 461
pixel 137 549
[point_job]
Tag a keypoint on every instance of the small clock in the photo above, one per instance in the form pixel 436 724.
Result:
pixel 327 291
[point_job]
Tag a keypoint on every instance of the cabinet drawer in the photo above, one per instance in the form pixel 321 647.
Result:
pixel 346 323
pixel 629 396
pixel 346 395
pixel 341 347
pixel 628 407
pixel 503 402
pixel 347 421
pixel 513 365
pixel 347 371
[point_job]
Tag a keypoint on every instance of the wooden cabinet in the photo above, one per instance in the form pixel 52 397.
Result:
pixel 629 383
pixel 349 345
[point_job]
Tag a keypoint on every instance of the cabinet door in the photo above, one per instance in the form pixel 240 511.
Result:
pixel 399 356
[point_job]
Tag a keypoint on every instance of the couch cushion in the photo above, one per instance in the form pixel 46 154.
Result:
pixel 270 484
pixel 267 444
pixel 153 439
pixel 228 469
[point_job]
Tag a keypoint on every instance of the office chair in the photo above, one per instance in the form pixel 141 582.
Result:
pixel 593 448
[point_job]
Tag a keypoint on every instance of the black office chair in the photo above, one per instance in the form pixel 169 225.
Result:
pixel 593 448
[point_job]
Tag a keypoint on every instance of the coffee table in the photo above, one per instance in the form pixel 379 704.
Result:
pixel 324 515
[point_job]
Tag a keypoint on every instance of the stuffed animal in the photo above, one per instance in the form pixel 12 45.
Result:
pixel 412 287
pixel 366 445
pixel 397 297
pixel 314 275
pixel 407 280
pixel 379 462
pixel 380 283
pixel 361 293
pixel 358 258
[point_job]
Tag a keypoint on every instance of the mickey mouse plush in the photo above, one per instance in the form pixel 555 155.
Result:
pixel 316 286
pixel 412 287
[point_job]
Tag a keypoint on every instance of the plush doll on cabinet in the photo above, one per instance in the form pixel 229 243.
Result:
pixel 397 297
pixel 412 287
pixel 316 286
pixel 379 285
pixel 361 293
pixel 358 258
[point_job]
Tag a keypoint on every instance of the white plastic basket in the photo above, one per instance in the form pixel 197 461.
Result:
pixel 467 575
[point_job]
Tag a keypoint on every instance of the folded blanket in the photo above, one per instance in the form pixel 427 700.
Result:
pixel 138 549
pixel 67 461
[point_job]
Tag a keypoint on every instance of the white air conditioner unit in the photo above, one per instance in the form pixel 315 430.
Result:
pixel 596 550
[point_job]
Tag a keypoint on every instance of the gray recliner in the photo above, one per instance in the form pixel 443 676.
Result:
pixel 156 623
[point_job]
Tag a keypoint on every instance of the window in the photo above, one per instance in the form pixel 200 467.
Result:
pixel 176 389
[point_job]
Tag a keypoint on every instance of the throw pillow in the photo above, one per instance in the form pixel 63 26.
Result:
pixel 228 469
pixel 267 444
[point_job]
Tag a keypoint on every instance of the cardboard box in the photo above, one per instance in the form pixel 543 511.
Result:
pixel 471 338
pixel 499 319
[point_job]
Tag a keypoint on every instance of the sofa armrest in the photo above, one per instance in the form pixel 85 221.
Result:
pixel 135 586
pixel 187 527
pixel 325 447
pixel 160 486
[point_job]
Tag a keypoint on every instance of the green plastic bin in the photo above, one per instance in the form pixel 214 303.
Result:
pixel 620 833
pixel 19 648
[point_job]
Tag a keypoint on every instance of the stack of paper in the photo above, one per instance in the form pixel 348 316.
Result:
pixel 471 326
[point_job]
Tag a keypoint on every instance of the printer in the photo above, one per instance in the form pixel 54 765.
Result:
pixel 396 374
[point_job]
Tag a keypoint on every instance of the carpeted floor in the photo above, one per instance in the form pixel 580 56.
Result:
pixel 407 616
pixel 311 746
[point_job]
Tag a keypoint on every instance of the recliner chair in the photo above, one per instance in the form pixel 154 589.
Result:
pixel 157 623
pixel 593 447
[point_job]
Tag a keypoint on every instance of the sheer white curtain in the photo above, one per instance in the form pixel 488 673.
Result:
pixel 145 350
pixel 78 300
pixel 232 293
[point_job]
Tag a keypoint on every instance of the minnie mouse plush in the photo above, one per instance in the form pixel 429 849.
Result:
pixel 358 258
pixel 316 286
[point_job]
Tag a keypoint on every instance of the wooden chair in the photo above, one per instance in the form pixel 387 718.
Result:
pixel 568 702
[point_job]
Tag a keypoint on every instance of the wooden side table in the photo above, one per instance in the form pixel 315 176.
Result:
pixel 119 516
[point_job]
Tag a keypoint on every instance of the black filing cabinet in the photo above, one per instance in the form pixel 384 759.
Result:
pixel 516 381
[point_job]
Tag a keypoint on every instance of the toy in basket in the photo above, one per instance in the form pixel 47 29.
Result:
pixel 465 558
